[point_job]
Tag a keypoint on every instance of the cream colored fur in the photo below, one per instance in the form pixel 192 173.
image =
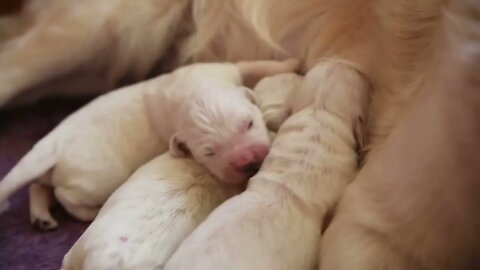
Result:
pixel 115 37
pixel 276 223
pixel 273 95
pixel 415 204
pixel 166 199
pixel 391 41
pixel 96 149
pixel 87 156
pixel 145 220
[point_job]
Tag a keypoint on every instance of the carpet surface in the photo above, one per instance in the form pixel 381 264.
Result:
pixel 22 247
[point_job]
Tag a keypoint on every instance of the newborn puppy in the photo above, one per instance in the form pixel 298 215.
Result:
pixel 274 95
pixel 96 149
pixel 276 223
pixel 87 156
pixel 145 220
pixel 216 120
pixel 166 199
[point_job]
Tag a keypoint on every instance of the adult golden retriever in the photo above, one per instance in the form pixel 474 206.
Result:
pixel 390 41
pixel 402 47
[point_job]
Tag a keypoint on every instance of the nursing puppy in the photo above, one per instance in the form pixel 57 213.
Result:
pixel 274 98
pixel 200 110
pixel 165 199
pixel 276 223
pixel 145 220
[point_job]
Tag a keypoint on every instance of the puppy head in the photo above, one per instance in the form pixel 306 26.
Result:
pixel 225 132
pixel 273 96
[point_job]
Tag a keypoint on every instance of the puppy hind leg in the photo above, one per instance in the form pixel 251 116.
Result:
pixel 75 204
pixel 41 199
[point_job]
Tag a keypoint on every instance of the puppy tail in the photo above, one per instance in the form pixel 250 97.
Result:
pixel 34 164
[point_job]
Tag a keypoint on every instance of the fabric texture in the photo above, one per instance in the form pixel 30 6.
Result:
pixel 21 246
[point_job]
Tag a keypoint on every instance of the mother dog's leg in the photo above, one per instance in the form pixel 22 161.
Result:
pixel 119 36
pixel 56 44
pixel 416 203
pixel 276 223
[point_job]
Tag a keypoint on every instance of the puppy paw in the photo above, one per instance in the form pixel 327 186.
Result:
pixel 275 118
pixel 44 224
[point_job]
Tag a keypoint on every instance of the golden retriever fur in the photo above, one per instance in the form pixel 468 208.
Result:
pixel 415 203
pixel 391 41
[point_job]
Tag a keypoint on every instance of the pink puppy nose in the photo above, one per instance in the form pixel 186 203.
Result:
pixel 248 160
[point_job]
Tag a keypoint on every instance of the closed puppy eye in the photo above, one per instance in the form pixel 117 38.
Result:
pixel 250 124
pixel 209 153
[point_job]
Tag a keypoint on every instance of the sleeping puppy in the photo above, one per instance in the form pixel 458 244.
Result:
pixel 166 199
pixel 218 122
pixel 145 220
pixel 200 110
pixel 276 223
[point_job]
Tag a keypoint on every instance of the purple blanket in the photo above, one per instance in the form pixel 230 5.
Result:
pixel 21 247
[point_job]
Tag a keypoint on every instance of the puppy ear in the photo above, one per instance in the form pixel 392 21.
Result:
pixel 250 94
pixel 359 133
pixel 254 71
pixel 177 147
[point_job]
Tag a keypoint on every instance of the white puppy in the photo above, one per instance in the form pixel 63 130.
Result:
pixel 159 206
pixel 201 109
pixel 145 220
pixel 276 224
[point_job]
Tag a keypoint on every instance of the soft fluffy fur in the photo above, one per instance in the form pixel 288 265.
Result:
pixel 87 156
pixel 390 40
pixel 276 223
pixel 145 220
pixel 273 96
pixel 416 204
pixel 96 149
pixel 116 37
pixel 165 199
